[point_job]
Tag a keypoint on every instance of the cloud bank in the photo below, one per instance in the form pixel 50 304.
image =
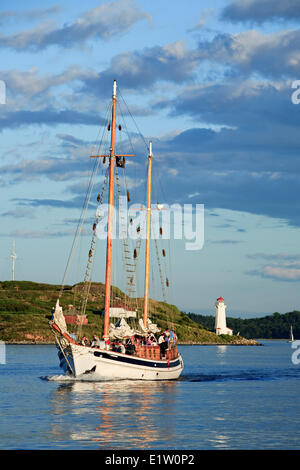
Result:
pixel 102 22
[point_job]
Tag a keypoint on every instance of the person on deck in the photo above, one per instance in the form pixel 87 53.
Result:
pixel 95 342
pixel 167 332
pixel 162 344
pixel 130 347
pixel 154 340
pixel 149 341
pixel 173 338
pixel 167 339
pixel 85 341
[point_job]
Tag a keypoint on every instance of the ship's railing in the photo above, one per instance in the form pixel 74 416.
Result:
pixel 153 352
pixel 148 351
pixel 172 353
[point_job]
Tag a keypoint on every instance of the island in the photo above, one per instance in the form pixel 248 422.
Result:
pixel 25 311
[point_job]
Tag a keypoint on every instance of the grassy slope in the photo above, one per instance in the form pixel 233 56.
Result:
pixel 25 311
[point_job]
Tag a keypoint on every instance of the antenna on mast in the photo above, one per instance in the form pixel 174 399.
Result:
pixel 13 259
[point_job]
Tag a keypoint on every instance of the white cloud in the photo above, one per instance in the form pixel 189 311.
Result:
pixel 102 22
pixel 273 54
pixel 281 273
pixel 31 82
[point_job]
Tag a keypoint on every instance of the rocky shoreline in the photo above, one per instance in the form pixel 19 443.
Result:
pixel 244 342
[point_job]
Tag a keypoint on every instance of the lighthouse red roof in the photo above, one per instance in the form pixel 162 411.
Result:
pixel 221 298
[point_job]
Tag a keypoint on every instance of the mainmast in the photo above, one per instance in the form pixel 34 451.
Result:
pixel 110 213
pixel 146 295
pixel 113 161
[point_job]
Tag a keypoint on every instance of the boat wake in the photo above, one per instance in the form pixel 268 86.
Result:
pixel 196 377
pixel 92 377
pixel 245 375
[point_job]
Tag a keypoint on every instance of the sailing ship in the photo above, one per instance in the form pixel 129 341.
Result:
pixel 291 335
pixel 134 358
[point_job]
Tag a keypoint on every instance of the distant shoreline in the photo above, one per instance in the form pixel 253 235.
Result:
pixel 25 308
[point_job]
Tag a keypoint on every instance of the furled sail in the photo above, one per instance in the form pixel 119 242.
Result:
pixel 58 318
pixel 151 327
pixel 120 330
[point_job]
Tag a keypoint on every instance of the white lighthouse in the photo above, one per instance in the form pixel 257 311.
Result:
pixel 220 323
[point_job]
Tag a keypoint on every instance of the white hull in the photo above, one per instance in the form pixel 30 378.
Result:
pixel 108 365
pixel 112 365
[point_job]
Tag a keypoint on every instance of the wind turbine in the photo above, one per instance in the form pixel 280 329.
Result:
pixel 13 258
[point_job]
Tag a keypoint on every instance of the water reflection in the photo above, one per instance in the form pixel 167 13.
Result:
pixel 220 441
pixel 120 414
pixel 221 349
pixel 221 354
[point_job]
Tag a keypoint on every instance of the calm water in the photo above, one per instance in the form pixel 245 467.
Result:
pixel 229 397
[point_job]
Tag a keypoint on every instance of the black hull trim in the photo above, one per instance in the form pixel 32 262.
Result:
pixel 138 362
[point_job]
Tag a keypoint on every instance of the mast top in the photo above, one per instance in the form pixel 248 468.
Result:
pixel 150 148
pixel 115 89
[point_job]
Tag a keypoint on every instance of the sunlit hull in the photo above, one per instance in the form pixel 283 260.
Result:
pixel 79 360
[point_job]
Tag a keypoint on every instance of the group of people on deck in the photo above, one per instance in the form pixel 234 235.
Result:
pixel 166 340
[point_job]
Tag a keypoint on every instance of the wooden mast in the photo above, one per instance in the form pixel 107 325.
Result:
pixel 146 295
pixel 110 214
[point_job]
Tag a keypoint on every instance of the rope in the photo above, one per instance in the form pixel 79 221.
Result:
pixel 83 212
pixel 128 110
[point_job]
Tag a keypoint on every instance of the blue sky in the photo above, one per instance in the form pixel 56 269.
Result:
pixel 210 84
